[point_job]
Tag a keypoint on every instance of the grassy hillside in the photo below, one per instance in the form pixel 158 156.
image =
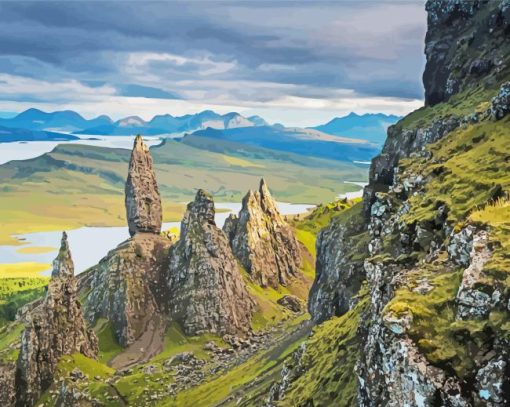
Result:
pixel 84 185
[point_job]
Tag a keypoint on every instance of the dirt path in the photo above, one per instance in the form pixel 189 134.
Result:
pixel 144 348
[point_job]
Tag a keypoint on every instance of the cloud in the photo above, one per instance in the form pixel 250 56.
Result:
pixel 240 54
pixel 134 90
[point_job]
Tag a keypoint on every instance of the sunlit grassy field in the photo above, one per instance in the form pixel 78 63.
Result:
pixel 77 185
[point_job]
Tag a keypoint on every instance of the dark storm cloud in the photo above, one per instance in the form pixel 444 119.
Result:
pixel 308 49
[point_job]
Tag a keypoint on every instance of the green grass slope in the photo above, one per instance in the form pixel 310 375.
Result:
pixel 84 185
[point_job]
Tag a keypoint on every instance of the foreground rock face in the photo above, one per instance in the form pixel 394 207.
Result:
pixel 206 290
pixel 338 275
pixel 54 329
pixel 459 25
pixel 143 202
pixel 126 286
pixel 262 241
pixel 435 279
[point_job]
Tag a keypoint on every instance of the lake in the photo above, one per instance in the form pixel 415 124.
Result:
pixel 31 149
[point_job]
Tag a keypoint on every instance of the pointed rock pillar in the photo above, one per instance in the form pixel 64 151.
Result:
pixel 53 329
pixel 63 265
pixel 143 202
pixel 262 241
pixel 206 289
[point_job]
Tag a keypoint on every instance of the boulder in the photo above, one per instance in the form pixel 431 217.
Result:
pixel 291 302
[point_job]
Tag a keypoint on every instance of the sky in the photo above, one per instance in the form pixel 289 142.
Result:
pixel 297 63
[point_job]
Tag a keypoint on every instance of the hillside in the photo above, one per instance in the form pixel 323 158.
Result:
pixel 78 185
pixel 412 286
pixel 295 140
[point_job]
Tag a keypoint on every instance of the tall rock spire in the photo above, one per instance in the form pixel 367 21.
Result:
pixel 262 241
pixel 143 202
pixel 63 265
pixel 53 329
pixel 207 291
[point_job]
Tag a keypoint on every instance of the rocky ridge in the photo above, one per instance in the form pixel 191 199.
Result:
pixel 434 330
pixel 207 291
pixel 55 328
pixel 262 241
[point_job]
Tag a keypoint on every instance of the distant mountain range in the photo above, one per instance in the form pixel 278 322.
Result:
pixel 34 124
pixel 306 142
pixel 369 127
pixel 65 121
pixel 71 122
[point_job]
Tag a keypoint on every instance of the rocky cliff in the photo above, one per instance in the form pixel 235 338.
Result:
pixel 53 329
pixel 465 46
pixel 432 325
pixel 467 60
pixel 262 241
pixel 126 287
pixel 143 202
pixel 207 292
pixel 339 266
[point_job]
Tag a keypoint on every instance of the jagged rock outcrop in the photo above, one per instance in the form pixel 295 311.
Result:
pixel 262 241
pixel 206 290
pixel 127 286
pixel 402 143
pixel 143 202
pixel 54 329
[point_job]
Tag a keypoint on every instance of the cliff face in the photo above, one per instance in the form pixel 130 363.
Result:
pixel 463 45
pixel 467 60
pixel 143 202
pixel 207 293
pixel 434 327
pixel 54 329
pixel 126 286
pixel 262 241
pixel 339 266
